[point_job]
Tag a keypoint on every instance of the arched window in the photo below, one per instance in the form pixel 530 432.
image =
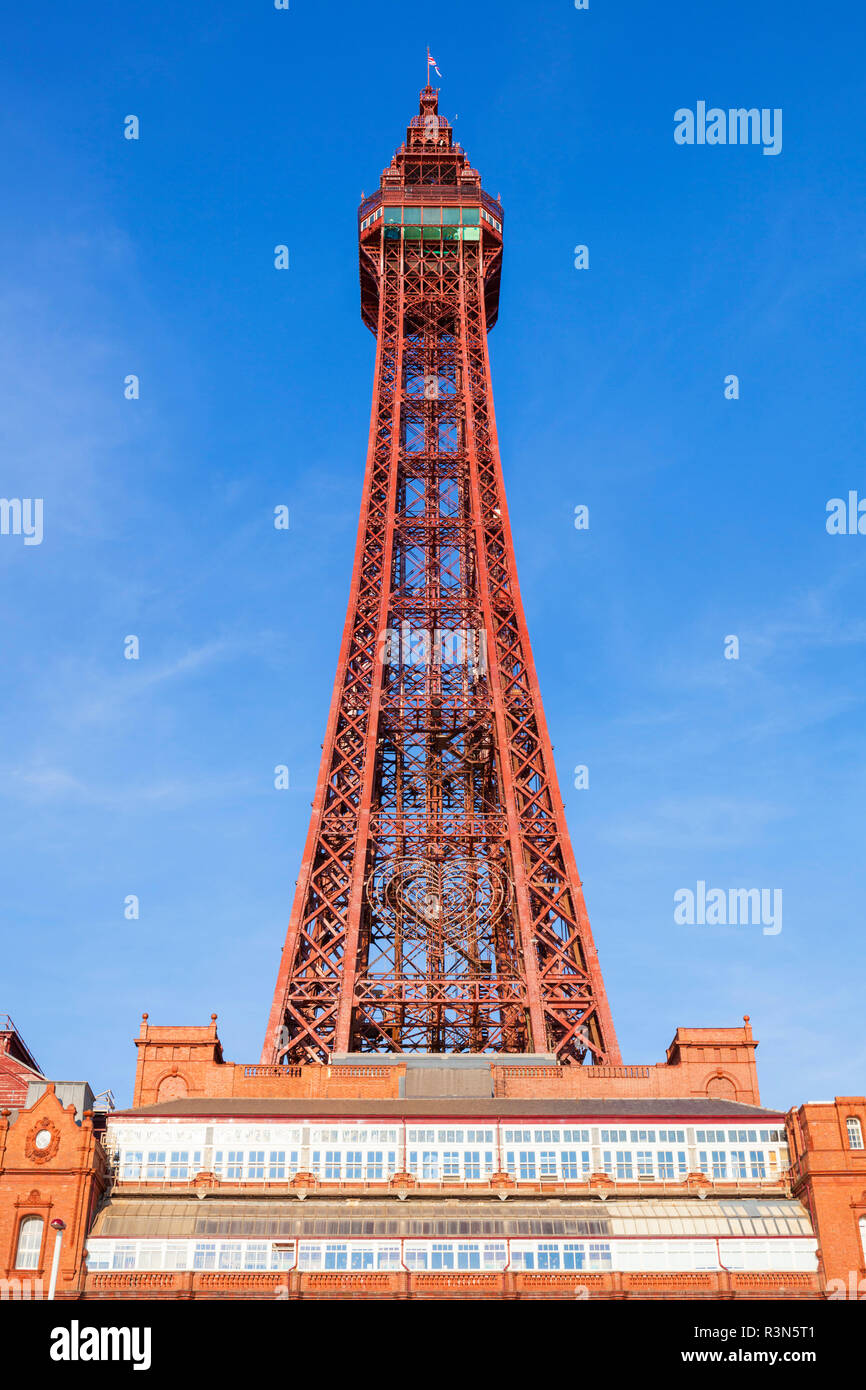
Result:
pixel 855 1133
pixel 863 1236
pixel 29 1243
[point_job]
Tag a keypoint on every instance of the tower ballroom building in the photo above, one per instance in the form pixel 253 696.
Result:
pixel 440 1109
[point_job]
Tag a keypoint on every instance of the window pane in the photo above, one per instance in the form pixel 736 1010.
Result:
pixel 29 1243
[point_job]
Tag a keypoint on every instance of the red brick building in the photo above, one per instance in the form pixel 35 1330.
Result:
pixel 450 1177
pixel 18 1066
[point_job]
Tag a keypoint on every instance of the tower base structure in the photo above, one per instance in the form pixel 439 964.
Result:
pixel 436 1177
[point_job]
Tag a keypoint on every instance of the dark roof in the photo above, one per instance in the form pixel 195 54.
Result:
pixel 687 1108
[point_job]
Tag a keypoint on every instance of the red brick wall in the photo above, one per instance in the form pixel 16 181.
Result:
pixel 62 1181
pixel 830 1179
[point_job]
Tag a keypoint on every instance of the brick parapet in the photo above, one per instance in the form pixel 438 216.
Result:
pixel 174 1062
pixel 154 1285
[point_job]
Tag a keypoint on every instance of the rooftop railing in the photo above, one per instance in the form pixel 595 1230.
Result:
pixel 431 193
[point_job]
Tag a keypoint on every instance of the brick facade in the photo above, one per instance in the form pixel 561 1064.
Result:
pixel 68 1176
pixel 829 1177
pixel 64 1180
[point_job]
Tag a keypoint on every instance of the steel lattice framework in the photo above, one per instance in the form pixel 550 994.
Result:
pixel 438 906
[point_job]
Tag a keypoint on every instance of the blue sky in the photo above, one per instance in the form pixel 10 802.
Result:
pixel 707 516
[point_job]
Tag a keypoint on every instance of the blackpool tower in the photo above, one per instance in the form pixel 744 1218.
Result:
pixel 438 907
pixel 441 1111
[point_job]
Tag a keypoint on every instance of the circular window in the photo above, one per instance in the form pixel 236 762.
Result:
pixel 43 1139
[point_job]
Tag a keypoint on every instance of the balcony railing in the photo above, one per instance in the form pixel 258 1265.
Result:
pixel 431 193
pixel 601 1186
pixel 268 1070
pixel 294 1284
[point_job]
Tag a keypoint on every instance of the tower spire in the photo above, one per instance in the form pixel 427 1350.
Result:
pixel 438 906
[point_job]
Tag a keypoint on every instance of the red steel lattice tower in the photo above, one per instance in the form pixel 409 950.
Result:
pixel 438 907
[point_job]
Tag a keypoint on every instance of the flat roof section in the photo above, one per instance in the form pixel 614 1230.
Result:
pixel 687 1108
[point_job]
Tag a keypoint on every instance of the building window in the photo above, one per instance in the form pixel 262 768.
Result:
pixel 256 1165
pixel 547 1159
pixel 472 1165
pixel 179 1164
pixel 756 1161
pixel 155 1166
pixel 495 1256
pixel 575 1164
pixel 527 1164
pixel 599 1256
pixel 644 1163
pixel 131 1169
pixel 354 1166
pixel 29 1243
pixel 855 1133
pixel 277 1165
pixel 623 1165
pixel 451 1164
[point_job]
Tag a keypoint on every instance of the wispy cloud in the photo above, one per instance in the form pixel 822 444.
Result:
pixel 100 698
pixel 43 784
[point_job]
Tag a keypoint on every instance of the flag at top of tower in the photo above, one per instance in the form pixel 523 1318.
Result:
pixel 431 63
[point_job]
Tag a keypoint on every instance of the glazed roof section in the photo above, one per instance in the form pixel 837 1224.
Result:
pixel 141 1218
pixel 687 1108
